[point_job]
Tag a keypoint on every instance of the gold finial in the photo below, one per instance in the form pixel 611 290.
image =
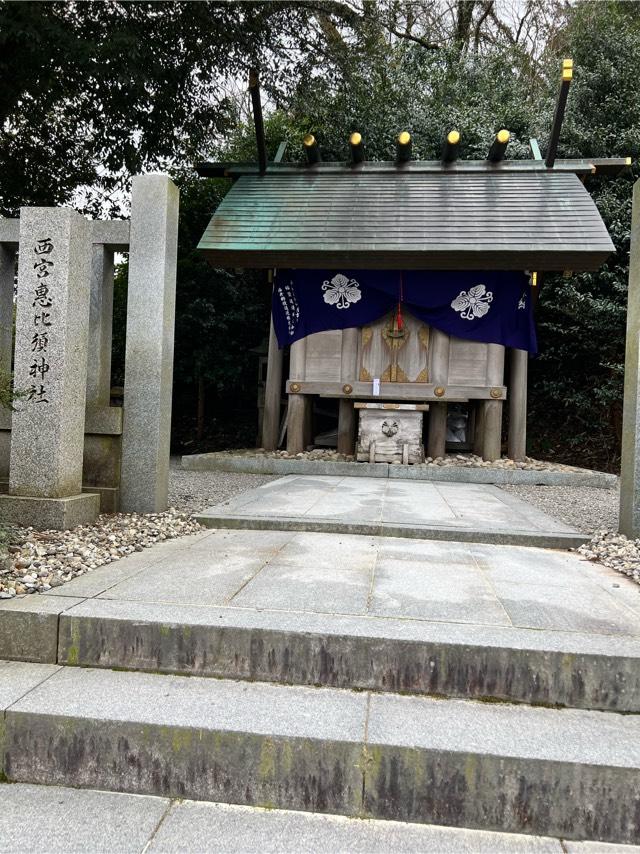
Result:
pixel 453 137
pixel 309 140
pixel 355 138
pixel 503 136
pixel 404 138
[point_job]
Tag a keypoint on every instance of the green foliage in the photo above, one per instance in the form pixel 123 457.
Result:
pixel 95 92
pixel 576 384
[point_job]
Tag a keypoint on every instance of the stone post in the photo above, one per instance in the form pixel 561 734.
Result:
pixel 50 368
pixel 153 249
pixel 517 440
pixel 629 523
pixel 100 327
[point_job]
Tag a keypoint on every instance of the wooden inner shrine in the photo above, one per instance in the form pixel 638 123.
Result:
pixel 452 214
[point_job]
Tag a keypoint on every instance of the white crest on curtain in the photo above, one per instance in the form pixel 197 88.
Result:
pixel 341 291
pixel 473 303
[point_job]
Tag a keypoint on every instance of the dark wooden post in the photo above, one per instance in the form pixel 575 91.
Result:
pixel 403 147
pixel 272 393
pixel 499 146
pixel 357 147
pixel 451 147
pixel 558 116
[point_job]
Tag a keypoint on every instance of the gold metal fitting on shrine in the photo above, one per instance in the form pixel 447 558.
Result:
pixel 347 389
pixel 295 387
pixel 496 393
pixel 439 391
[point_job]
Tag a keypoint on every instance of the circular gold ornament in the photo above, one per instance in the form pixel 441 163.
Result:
pixel 347 389
pixel 439 391
pixel 295 387
pixel 496 393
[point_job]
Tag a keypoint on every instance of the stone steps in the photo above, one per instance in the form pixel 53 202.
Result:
pixel 216 518
pixel 550 668
pixel 98 821
pixel 572 774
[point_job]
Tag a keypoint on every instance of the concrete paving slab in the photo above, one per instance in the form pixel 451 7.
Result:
pixel 209 573
pixel 18 678
pixel 240 829
pixel 448 593
pixel 200 738
pixel 378 506
pixel 379 653
pixel 588 609
pixel 441 759
pixel 100 579
pixel 59 820
pixel 29 627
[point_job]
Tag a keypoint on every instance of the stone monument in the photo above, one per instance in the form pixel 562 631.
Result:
pixel 50 372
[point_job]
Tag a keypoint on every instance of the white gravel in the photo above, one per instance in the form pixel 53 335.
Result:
pixel 464 460
pixel 192 491
pixel 585 508
pixel 40 560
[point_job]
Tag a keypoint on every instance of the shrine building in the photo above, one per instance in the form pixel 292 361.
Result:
pixel 406 288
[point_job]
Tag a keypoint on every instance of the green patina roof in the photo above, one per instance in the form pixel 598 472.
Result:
pixel 412 219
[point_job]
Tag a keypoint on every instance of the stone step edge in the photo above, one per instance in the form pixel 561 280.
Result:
pixel 161 824
pixel 556 540
pixel 220 461
pixel 321 750
pixel 349 652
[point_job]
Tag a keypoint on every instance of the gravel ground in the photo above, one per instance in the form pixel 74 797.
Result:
pixel 464 460
pixel 192 491
pixel 585 508
pixel 40 560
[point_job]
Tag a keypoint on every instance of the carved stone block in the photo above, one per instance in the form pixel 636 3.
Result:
pixel 390 433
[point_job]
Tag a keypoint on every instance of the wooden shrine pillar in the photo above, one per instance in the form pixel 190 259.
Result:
pixel 299 417
pixel 272 393
pixel 436 441
pixel 347 415
pixel 517 441
pixel 492 418
pixel 478 427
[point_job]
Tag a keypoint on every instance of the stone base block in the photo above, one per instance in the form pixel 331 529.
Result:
pixel 109 497
pixel 55 513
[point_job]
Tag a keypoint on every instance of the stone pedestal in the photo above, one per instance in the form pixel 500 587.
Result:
pixel 390 432
pixel 149 355
pixel 50 370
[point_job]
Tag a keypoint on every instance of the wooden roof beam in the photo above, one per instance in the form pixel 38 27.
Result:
pixel 580 166
pixel 256 103
pixel 357 148
pixel 451 147
pixel 403 147
pixel 311 149
pixel 558 116
pixel 499 146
